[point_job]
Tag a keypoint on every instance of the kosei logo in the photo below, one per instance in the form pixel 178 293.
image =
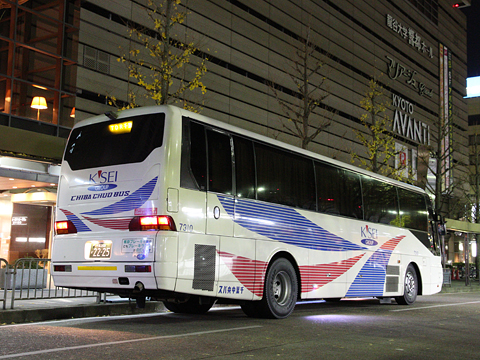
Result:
pixel 369 234
pixel 103 177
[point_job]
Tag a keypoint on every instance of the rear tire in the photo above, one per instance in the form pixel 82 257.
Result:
pixel 410 287
pixel 191 306
pixel 280 291
pixel 252 309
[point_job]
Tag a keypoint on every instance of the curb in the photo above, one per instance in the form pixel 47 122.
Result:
pixel 73 312
pixel 473 287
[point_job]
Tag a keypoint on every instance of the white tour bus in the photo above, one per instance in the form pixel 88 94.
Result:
pixel 164 203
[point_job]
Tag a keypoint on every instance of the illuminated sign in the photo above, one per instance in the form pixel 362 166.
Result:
pixel 19 220
pixel 404 123
pixel 396 70
pixel 121 128
pixel 410 35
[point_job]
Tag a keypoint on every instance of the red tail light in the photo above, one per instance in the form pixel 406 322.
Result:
pixel 65 227
pixel 145 223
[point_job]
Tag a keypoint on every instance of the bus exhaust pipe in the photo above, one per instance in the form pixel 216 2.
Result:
pixel 138 288
pixel 140 298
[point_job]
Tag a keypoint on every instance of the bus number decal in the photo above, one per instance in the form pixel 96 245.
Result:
pixel 186 227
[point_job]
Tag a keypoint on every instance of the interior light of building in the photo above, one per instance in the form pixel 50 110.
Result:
pixel 39 103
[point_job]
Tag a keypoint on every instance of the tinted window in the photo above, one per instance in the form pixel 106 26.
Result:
pixel 194 156
pixel 338 191
pixel 219 162
pixel 413 210
pixel 244 168
pixel 380 202
pixel 284 178
pixel 95 145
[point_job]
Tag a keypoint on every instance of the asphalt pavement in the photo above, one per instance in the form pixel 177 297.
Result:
pixel 35 310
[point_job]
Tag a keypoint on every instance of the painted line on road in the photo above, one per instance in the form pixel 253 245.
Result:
pixel 436 306
pixel 48 351
pixel 107 318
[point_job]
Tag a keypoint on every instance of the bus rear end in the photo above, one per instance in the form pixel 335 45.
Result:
pixel 110 209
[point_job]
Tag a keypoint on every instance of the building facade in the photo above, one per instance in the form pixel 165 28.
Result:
pixel 416 50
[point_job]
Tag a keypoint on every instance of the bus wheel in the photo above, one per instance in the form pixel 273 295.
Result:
pixel 191 306
pixel 280 292
pixel 410 287
pixel 252 309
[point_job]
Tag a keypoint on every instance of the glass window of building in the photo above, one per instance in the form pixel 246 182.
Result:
pixel 38 57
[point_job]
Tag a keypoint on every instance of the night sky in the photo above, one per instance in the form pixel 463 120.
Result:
pixel 473 38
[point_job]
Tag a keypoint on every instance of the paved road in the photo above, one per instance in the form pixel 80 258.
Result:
pixel 443 326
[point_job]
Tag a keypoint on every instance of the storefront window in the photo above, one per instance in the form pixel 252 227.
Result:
pixel 5 14
pixel 4 49
pixel 38 31
pixel 3 86
pixel 36 67
pixel 30 230
pixel 39 60
pixel 67 115
pixel 23 105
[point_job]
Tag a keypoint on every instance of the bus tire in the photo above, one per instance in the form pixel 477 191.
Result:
pixel 410 287
pixel 280 291
pixel 191 306
pixel 252 309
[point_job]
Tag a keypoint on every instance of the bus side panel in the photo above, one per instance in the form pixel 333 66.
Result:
pixel 165 266
pixel 197 264
pixel 239 271
pixel 326 275
pixel 436 276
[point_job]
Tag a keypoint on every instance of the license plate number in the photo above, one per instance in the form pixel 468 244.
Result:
pixel 100 250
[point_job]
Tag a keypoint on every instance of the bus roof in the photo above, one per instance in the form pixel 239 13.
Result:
pixel 172 110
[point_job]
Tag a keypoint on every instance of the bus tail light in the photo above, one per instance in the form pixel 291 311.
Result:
pixel 138 268
pixel 65 227
pixel 62 268
pixel 145 223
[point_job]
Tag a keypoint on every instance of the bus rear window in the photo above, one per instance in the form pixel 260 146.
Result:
pixel 120 141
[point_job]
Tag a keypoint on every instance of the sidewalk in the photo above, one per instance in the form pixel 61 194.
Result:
pixel 36 310
pixel 459 286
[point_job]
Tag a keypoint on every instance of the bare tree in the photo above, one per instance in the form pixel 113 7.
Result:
pixel 443 188
pixel 376 136
pixel 158 59
pixel 305 69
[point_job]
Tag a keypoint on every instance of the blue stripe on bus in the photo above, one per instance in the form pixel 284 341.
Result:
pixel 79 224
pixel 285 225
pixel 371 278
pixel 131 202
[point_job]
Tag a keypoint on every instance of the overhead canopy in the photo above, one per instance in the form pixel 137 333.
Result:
pixel 462 226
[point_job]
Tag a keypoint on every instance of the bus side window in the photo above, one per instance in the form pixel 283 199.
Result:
pixel 413 210
pixel 194 156
pixel 352 195
pixel 219 162
pixel 338 191
pixel 284 178
pixel 244 168
pixel 380 202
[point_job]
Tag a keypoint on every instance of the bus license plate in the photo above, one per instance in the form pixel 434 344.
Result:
pixel 100 250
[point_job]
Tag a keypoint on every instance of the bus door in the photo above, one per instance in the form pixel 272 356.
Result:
pixel 219 206
pixel 220 184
